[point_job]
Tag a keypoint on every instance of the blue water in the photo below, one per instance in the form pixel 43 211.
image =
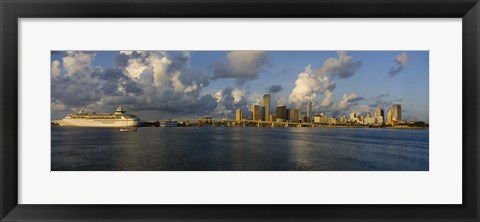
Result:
pixel 239 149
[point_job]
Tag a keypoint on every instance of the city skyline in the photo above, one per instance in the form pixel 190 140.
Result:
pixel 297 115
pixel 177 84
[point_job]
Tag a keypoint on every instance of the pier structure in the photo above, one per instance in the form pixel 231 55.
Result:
pixel 262 123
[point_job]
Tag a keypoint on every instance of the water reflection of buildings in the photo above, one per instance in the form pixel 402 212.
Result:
pixel 126 155
pixel 301 151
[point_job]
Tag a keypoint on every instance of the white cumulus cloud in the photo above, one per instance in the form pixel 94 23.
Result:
pixel 242 66
pixel 310 83
pixel 402 61
pixel 55 68
pixel 307 86
pixel 78 62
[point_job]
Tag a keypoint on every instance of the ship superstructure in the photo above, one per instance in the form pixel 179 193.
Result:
pixel 90 119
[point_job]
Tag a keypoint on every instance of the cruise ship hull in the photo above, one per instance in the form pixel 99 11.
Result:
pixel 98 122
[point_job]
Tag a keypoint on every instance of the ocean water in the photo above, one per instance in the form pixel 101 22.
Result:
pixel 239 149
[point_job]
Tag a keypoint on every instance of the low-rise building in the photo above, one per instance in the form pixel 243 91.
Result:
pixel 332 121
pixel 379 119
pixel 273 117
pixel 369 120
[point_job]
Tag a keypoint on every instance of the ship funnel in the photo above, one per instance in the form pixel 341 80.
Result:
pixel 119 111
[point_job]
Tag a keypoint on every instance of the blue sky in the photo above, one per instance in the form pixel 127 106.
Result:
pixel 178 84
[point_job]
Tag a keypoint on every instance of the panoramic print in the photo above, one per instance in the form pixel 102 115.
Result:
pixel 245 110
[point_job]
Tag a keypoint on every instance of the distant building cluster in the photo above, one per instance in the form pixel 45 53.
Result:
pixel 283 114
pixel 394 117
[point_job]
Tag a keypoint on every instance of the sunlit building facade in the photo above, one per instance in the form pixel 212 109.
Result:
pixel 389 117
pixel 353 115
pixel 255 109
pixel 281 112
pixel 379 113
pixel 238 114
pixel 396 113
pixel 309 112
pixel 293 115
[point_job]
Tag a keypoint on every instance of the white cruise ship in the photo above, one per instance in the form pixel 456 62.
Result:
pixel 85 119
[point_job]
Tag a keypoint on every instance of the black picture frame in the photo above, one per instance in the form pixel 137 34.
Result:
pixel 11 11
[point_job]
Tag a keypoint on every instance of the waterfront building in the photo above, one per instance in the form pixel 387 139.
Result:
pixel 309 112
pixel 389 117
pixel 255 109
pixel 290 115
pixel 205 120
pixel 316 118
pixel 360 117
pixel 262 112
pixel 379 119
pixel 396 113
pixel 238 115
pixel 369 120
pixel 266 107
pixel 281 112
pixel 332 121
pixel 323 118
pixel 369 114
pixel 293 115
pixel 297 115
pixel 353 115
pixel 273 118
pixel 379 113
pixel 343 119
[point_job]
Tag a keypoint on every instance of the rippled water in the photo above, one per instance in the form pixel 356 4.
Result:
pixel 239 148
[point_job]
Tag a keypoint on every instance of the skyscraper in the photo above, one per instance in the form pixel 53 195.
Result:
pixel 255 109
pixel 396 113
pixel 281 112
pixel 299 115
pixel 389 117
pixel 296 115
pixel 379 114
pixel 353 115
pixel 239 115
pixel 266 106
pixel 293 114
pixel 309 112
pixel 262 112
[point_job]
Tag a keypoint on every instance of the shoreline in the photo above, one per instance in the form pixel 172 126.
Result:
pixel 312 126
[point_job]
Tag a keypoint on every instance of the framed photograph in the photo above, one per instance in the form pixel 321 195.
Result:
pixel 209 110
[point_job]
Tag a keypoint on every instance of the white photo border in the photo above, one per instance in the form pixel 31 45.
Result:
pixel 442 184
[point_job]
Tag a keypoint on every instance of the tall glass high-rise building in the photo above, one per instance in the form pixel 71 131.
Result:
pixel 379 113
pixel 281 112
pixel 266 107
pixel 238 115
pixel 396 113
pixel 255 109
pixel 309 112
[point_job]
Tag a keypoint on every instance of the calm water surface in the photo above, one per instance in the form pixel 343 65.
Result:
pixel 239 148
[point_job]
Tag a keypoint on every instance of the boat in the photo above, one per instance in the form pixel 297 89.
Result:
pixel 127 128
pixel 118 119
pixel 169 123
